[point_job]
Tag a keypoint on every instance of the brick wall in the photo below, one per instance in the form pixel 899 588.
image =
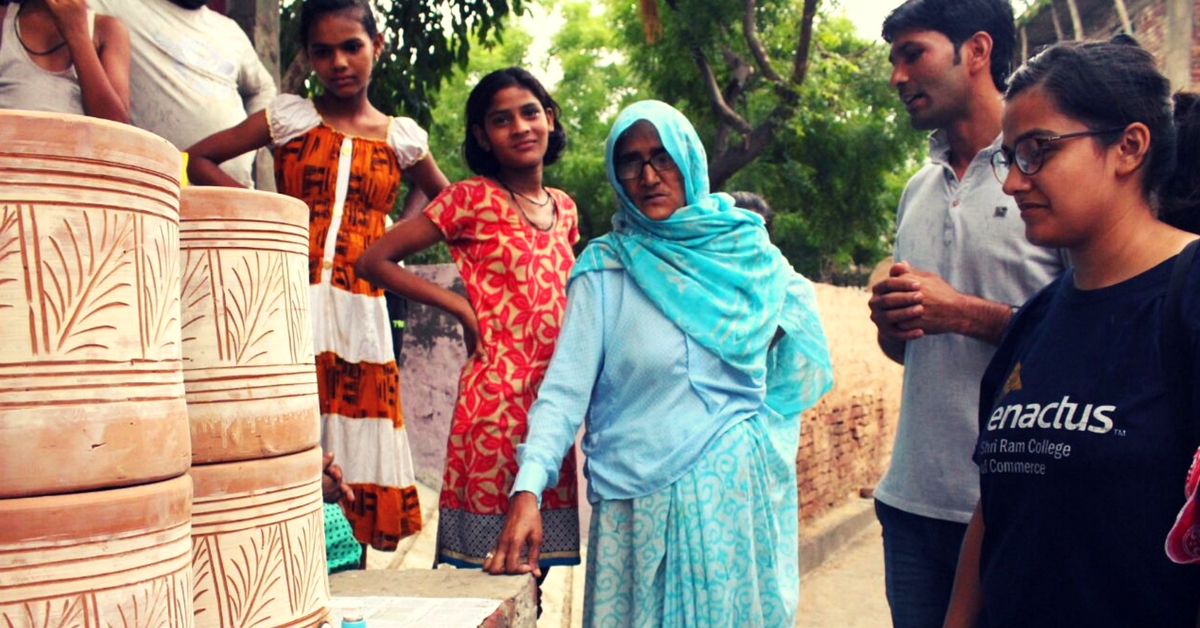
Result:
pixel 846 439
pixel 1195 45
pixel 1151 22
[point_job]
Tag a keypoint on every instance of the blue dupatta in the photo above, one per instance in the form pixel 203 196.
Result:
pixel 711 269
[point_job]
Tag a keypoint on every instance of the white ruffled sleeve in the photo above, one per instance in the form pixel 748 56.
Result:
pixel 289 116
pixel 410 141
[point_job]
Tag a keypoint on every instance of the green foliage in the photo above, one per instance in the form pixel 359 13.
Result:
pixel 595 86
pixel 835 172
pixel 426 41
pixel 838 161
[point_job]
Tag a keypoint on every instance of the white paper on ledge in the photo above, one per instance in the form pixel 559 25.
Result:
pixel 415 612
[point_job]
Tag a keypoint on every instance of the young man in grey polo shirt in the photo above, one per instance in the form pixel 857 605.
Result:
pixel 961 263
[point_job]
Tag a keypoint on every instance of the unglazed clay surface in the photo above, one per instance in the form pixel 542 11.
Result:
pixel 117 558
pixel 247 337
pixel 91 387
pixel 259 543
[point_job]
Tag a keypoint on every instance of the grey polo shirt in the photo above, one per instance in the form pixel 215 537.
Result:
pixel 971 234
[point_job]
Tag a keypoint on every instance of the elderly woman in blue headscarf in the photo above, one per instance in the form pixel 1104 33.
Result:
pixel 690 347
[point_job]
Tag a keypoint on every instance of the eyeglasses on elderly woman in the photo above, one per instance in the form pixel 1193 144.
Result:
pixel 1030 153
pixel 633 167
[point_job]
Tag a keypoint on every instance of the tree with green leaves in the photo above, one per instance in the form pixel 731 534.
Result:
pixel 825 142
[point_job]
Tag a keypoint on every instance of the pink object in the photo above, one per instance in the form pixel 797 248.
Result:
pixel 1183 541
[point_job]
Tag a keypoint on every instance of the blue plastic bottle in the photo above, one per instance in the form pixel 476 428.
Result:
pixel 353 618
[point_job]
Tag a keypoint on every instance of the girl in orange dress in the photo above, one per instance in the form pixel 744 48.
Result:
pixel 511 239
pixel 343 158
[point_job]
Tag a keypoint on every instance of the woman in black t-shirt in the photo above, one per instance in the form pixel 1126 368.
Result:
pixel 1081 448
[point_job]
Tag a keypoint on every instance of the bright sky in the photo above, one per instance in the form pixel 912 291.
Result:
pixel 868 15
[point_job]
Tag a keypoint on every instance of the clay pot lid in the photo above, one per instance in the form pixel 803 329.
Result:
pixel 86 138
pixel 96 514
pixel 221 203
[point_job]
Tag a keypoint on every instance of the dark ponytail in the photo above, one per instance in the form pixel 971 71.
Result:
pixel 1179 198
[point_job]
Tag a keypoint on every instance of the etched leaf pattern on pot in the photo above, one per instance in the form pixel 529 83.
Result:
pixel 197 295
pixel 160 289
pixel 146 608
pixel 56 613
pixel 307 564
pixel 204 575
pixel 299 323
pixel 9 243
pixel 81 278
pixel 252 299
pixel 251 576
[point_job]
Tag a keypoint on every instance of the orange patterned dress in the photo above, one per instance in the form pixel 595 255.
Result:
pixel 350 184
pixel 515 276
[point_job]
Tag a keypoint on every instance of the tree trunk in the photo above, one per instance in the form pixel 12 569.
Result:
pixel 1076 23
pixel 1124 13
pixel 297 71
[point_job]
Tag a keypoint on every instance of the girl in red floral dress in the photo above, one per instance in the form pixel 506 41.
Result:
pixel 511 239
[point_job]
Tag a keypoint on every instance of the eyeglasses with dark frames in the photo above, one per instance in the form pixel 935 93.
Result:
pixel 633 168
pixel 1030 153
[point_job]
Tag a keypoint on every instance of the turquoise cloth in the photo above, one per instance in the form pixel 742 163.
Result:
pixel 716 549
pixel 712 270
pixel 342 551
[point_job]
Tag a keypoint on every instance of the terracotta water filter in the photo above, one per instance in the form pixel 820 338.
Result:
pixel 247 336
pixel 258 556
pixel 117 558
pixel 91 386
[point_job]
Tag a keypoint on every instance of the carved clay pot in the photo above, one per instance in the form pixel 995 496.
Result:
pixel 91 388
pixel 247 337
pixel 258 555
pixel 112 558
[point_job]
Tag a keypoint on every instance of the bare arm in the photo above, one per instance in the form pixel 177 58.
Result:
pixel 943 310
pixel 206 156
pixel 966 600
pixel 913 303
pixel 414 201
pixel 379 265
pixel 428 178
pixel 101 63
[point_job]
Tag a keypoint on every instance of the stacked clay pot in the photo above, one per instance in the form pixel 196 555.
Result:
pixel 257 528
pixel 94 441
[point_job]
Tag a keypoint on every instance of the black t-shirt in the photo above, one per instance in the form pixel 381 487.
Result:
pixel 1082 461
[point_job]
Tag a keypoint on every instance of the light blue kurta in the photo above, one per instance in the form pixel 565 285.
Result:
pixel 654 398
pixel 692 478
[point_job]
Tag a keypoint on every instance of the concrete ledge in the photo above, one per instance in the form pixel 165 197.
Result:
pixel 514 595
pixel 822 538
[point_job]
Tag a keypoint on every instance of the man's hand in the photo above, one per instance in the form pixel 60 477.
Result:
pixel 941 309
pixel 522 528
pixel 912 303
pixel 896 305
